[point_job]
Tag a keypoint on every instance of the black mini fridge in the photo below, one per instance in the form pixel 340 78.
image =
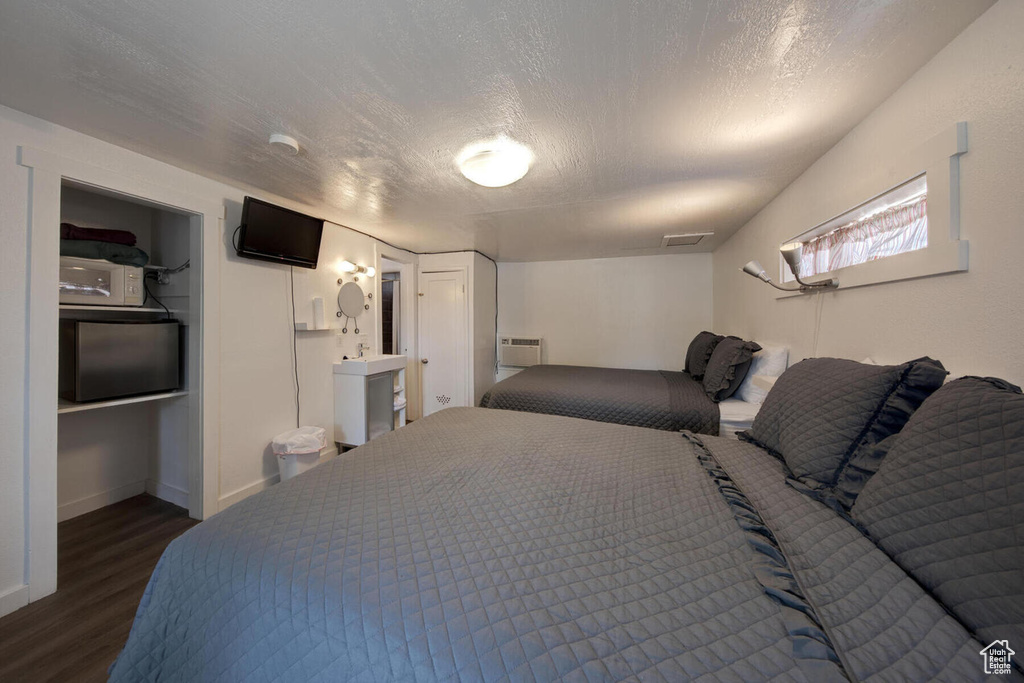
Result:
pixel 104 360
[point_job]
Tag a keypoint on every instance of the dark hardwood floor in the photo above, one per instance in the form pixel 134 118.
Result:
pixel 104 559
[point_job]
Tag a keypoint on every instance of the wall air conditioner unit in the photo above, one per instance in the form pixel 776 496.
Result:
pixel 519 352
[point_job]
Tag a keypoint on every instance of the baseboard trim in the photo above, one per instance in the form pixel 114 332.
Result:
pixel 171 494
pixel 14 599
pixel 241 494
pixel 327 454
pixel 230 499
pixel 95 502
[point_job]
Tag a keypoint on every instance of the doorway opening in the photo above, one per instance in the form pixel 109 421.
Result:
pixel 179 427
pixel 128 357
pixel 391 306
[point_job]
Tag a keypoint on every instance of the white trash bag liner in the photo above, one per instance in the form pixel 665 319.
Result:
pixel 300 441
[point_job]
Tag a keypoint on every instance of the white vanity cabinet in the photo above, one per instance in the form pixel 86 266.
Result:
pixel 368 398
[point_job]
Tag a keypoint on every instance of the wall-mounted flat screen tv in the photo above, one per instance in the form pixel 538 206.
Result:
pixel 274 233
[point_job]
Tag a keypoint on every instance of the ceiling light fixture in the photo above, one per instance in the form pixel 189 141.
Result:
pixel 285 144
pixel 495 163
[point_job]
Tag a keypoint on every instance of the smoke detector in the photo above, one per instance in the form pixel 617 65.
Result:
pixel 687 240
pixel 285 144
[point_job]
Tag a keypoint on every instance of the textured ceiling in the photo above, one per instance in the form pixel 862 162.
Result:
pixel 646 117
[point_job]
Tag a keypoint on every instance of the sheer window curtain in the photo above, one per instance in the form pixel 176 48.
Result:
pixel 896 230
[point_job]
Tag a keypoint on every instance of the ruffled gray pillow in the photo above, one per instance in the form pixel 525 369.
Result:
pixel 947 503
pixel 824 413
pixel 699 353
pixel 728 366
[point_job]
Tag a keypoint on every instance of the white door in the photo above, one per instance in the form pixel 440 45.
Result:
pixel 443 319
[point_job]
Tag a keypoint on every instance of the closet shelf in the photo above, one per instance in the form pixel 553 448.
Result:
pixel 64 406
pixel 113 309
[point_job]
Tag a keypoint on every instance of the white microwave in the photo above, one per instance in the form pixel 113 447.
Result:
pixel 95 282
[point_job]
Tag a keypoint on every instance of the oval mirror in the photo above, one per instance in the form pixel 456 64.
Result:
pixel 350 299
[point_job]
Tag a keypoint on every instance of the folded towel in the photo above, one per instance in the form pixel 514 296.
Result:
pixel 115 253
pixel 70 231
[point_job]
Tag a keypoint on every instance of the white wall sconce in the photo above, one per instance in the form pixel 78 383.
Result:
pixel 348 267
pixel 792 253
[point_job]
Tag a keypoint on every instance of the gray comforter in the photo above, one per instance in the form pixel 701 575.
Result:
pixel 657 399
pixel 495 545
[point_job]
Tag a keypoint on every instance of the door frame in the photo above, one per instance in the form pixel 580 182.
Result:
pixel 467 332
pixel 46 171
pixel 408 287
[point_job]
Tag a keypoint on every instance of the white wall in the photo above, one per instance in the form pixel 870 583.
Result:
pixel 973 321
pixel 103 456
pixel 255 363
pixel 257 375
pixel 631 312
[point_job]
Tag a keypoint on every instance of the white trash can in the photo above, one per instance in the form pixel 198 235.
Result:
pixel 298 450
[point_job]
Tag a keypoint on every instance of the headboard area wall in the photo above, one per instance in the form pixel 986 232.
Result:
pixel 972 321
pixel 630 312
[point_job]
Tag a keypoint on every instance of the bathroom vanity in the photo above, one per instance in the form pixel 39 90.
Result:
pixel 369 398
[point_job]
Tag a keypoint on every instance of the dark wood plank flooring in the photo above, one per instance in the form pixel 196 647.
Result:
pixel 104 559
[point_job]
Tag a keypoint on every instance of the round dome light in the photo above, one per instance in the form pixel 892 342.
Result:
pixel 495 163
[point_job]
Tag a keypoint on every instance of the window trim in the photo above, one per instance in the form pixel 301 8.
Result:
pixel 939 160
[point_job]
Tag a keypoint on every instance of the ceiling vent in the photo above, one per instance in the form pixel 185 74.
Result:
pixel 687 240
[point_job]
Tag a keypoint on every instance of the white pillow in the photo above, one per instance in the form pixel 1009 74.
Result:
pixel 771 361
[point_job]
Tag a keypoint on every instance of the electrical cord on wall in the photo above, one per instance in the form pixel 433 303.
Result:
pixel 295 348
pixel 175 271
pixel 149 295
pixel 817 324
pixel 159 276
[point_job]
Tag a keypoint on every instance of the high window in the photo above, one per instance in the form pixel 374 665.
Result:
pixel 895 222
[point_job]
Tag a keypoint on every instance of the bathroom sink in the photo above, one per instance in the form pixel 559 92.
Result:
pixel 369 365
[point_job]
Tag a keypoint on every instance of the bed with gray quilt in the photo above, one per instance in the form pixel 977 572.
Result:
pixel 500 545
pixel 657 399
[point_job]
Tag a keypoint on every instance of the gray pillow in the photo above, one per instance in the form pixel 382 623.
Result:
pixel 728 366
pixel 699 353
pixel 823 411
pixel 947 503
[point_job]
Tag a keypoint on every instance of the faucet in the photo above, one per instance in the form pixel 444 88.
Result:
pixel 362 347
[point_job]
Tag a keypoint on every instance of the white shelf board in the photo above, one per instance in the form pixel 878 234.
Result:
pixel 64 406
pixel 113 309
pixel 309 327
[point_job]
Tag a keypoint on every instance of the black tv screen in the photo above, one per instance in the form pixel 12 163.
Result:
pixel 274 233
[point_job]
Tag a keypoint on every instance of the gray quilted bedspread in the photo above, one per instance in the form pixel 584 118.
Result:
pixel 656 399
pixel 497 545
